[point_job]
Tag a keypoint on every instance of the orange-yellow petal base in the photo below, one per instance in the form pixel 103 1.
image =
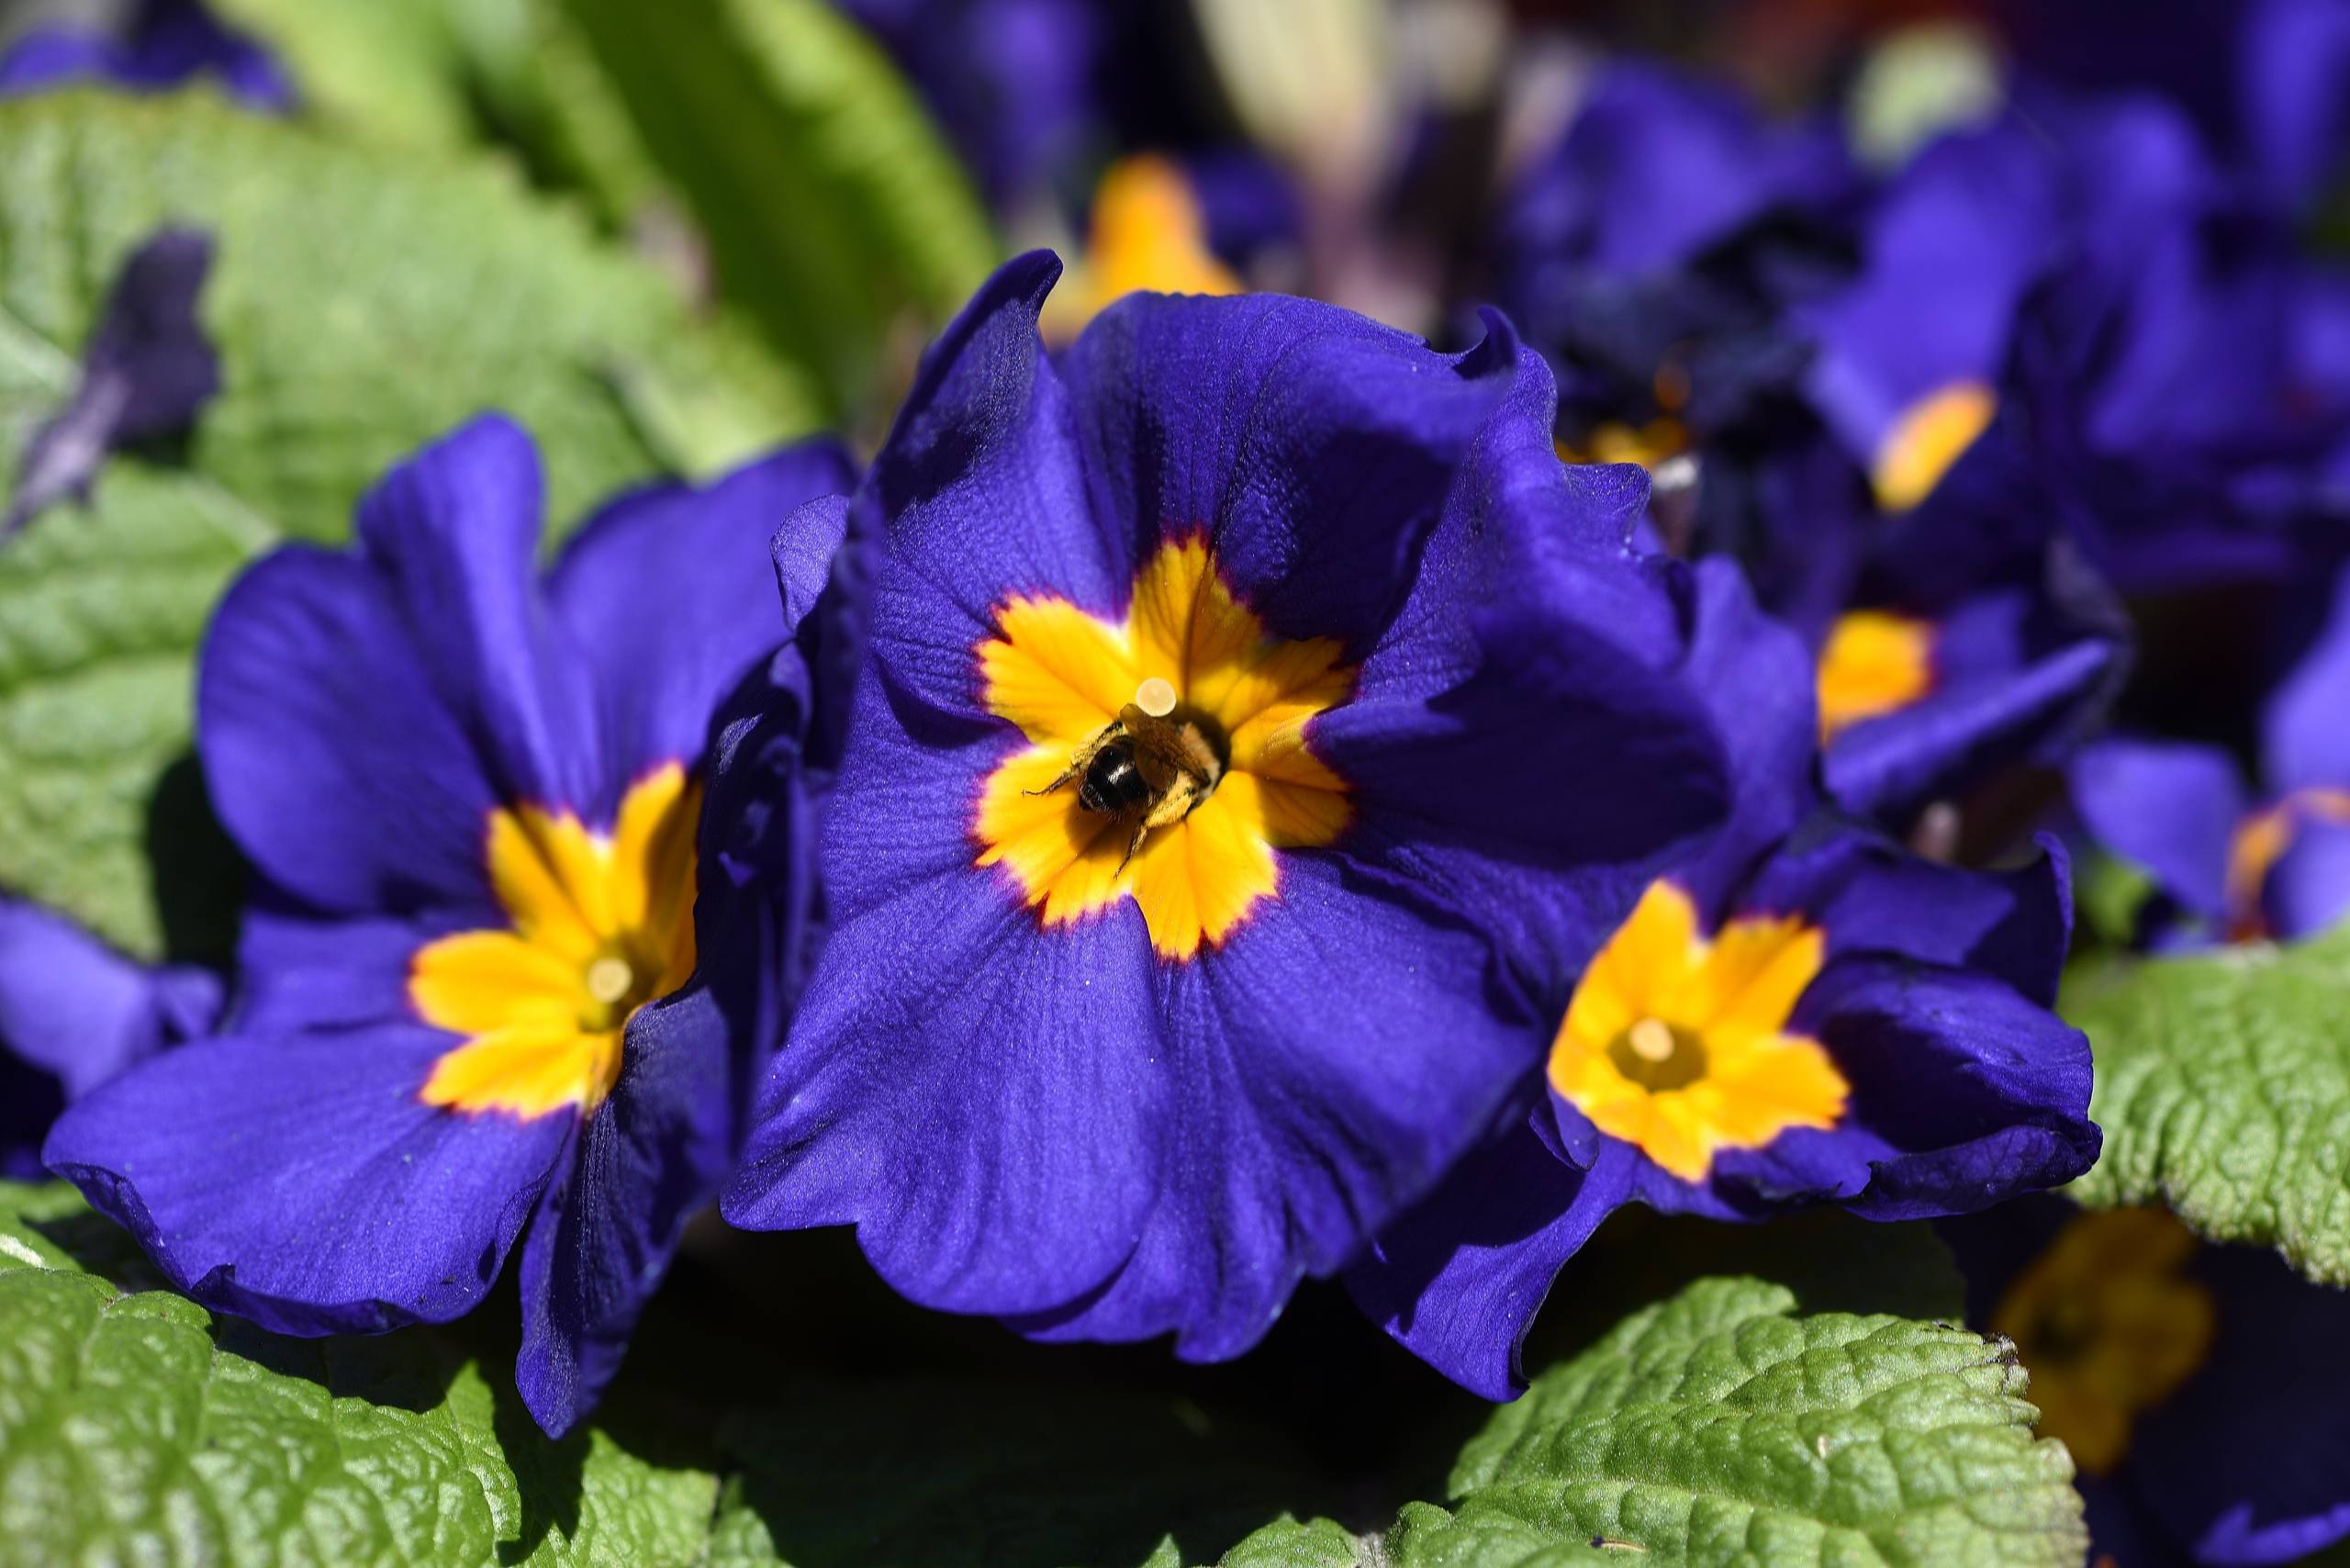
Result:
pixel 1929 437
pixel 1061 675
pixel 1651 444
pixel 601 925
pixel 1678 1045
pixel 1148 233
pixel 2261 840
pixel 2108 1325
pixel 1875 663
pixel 1613 440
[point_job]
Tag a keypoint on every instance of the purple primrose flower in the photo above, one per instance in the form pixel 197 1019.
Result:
pixel 472 796
pixel 1250 685
pixel 1802 1014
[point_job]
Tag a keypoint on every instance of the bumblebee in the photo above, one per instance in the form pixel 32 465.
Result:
pixel 1151 765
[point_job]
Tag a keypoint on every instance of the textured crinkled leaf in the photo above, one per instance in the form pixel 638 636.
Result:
pixel 1428 1537
pixel 1722 1427
pixel 137 1425
pixel 25 1243
pixel 2224 1087
pixel 362 303
pixel 1290 1542
pixel 1424 1537
pixel 964 1474
pixel 828 200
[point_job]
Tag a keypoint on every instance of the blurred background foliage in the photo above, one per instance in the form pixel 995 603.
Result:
pixel 769 158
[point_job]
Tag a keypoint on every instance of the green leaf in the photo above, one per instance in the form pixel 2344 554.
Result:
pixel 387 70
pixel 446 76
pixel 828 201
pixel 1723 1427
pixel 131 1423
pixel 1829 1261
pixel 1726 1425
pixel 1288 1544
pixel 362 303
pixel 1428 1537
pixel 2223 1088
pixel 415 1452
pixel 2110 892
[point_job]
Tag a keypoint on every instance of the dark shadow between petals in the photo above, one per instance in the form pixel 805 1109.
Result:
pixel 196 875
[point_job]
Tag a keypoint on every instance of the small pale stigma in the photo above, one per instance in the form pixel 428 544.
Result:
pixel 1651 1039
pixel 610 979
pixel 1156 697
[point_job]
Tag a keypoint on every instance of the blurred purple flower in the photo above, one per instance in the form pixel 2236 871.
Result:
pixel 1674 252
pixel 166 44
pixel 147 372
pixel 2231 861
pixel 73 1012
pixel 2197 1386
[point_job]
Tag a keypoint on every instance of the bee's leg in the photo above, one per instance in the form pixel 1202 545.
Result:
pixel 1077 760
pixel 1173 807
pixel 1072 771
pixel 1141 830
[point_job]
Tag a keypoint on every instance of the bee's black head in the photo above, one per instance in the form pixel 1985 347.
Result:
pixel 1112 783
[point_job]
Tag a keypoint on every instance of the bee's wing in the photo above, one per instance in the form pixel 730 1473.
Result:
pixel 1175 751
pixel 1159 751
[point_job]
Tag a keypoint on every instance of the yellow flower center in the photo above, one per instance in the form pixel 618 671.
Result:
pixel 1148 233
pixel 601 925
pixel 1658 442
pixel 1931 435
pixel 1873 664
pixel 1613 441
pixel 2108 1325
pixel 2260 841
pixel 1063 676
pixel 1679 1045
